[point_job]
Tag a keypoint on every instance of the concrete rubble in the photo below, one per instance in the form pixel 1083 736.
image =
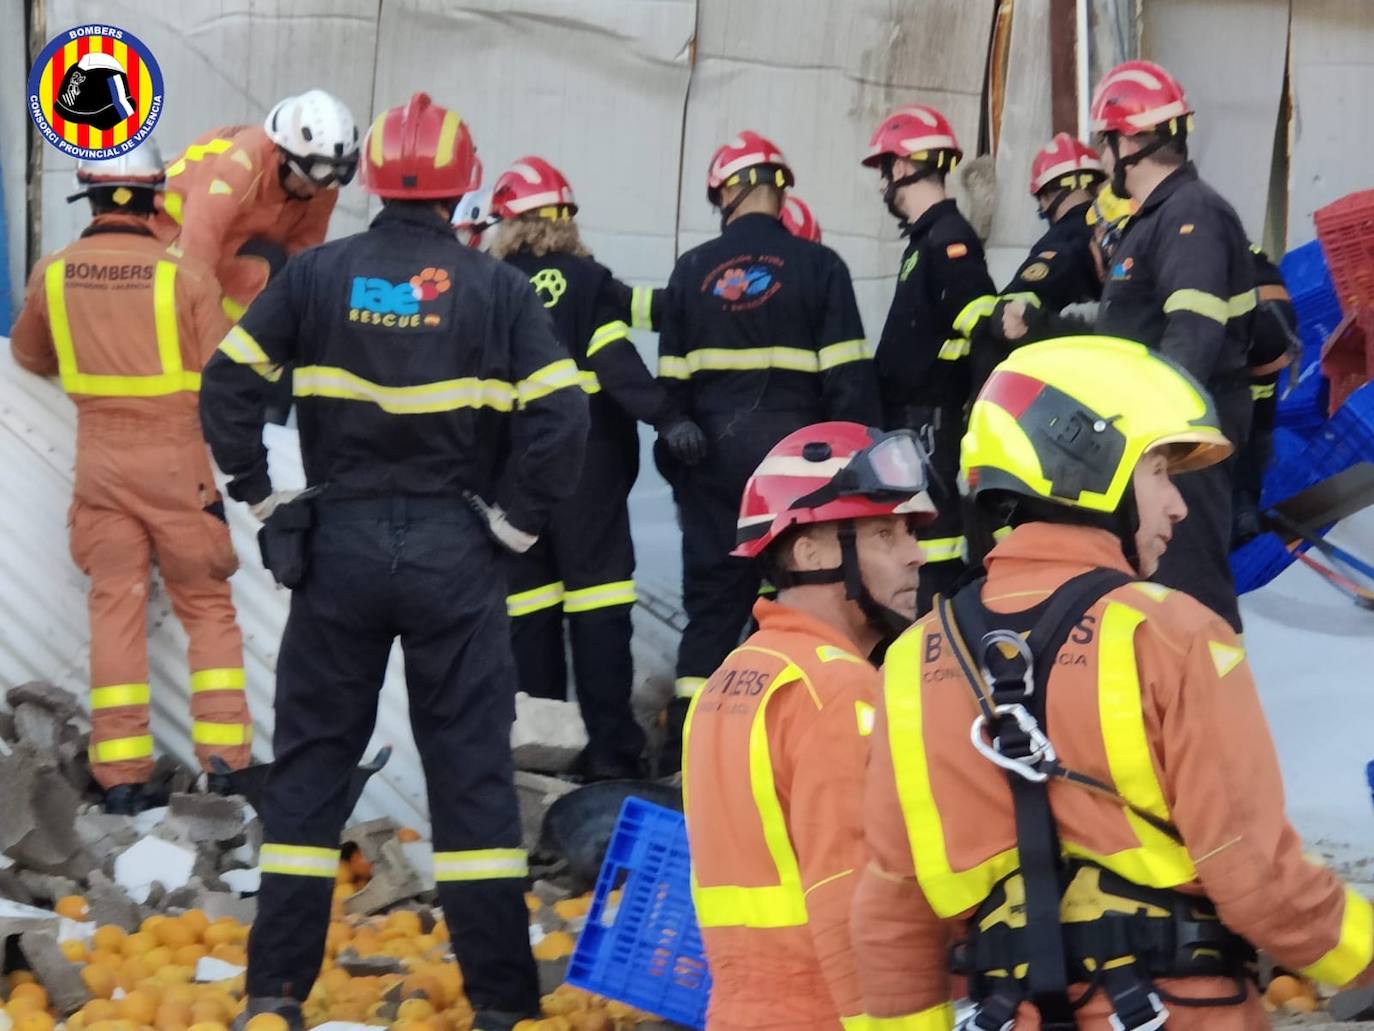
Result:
pixel 548 735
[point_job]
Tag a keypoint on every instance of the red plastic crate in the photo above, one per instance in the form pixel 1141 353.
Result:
pixel 1346 231
pixel 1348 357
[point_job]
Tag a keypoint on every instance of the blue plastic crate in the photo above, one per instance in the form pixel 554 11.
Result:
pixel 1314 298
pixel 1347 437
pixel 646 951
pixel 1303 408
pixel 1285 466
pixel 1258 561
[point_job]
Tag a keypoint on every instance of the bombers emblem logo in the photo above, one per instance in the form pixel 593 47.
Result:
pixel 95 92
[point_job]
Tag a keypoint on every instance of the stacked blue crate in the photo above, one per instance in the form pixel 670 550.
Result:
pixel 1302 408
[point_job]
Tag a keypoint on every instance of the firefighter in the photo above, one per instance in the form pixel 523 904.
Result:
pixel 472 218
pixel 440 421
pixel 777 740
pixel 760 336
pixel 797 216
pixel 126 326
pixel 943 293
pixel 1182 281
pixel 1065 677
pixel 582 569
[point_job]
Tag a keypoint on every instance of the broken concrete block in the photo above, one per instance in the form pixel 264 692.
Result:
pixel 103 833
pixel 39 728
pixel 16 812
pixel 11 887
pixel 392 881
pixel 146 821
pixel 209 970
pixel 245 882
pixel 17 918
pixel 548 735
pixel 367 966
pixel 110 904
pixel 535 793
pixel 548 892
pixel 60 976
pixel 49 696
pixel 52 804
pixel 153 859
pixel 216 904
pixel 48 887
pixel 202 819
pixel 369 837
pixel 552 973
pixel 7 731
pixel 1355 1004
pixel 420 858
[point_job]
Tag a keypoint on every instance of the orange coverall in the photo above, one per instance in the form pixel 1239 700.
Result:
pixel 127 327
pixel 775 746
pixel 226 190
pixel 1177 686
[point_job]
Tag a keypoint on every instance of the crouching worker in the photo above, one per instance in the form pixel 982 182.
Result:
pixel 777 739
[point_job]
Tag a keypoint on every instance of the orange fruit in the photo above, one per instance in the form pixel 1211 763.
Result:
pixel 428 1024
pixel 218 934
pixel 74 950
pixel 358 865
pixel 349 1010
pixel 208 1025
pixel 175 974
pixel 1283 988
pixel 406 921
pixel 134 970
pixel 338 935
pixel 109 937
pixel 235 954
pixel 344 874
pixel 555 945
pixel 406 835
pixel 19 1005
pixel 100 980
pixel 440 931
pixel 152 923
pixel 38 1020
pixel 195 921
pixel 174 934
pixel 209 1009
pixel 19 977
pixel 172 1015
pixel 189 955
pixel 179 994
pixel 571 909
pixel 266 1022
pixel 30 990
pixel 139 1006
pixel 159 957
pixel 138 943
pixel 98 1010
pixel 104 957
pixel 73 907
pixel 415 1009
pixel 591 1020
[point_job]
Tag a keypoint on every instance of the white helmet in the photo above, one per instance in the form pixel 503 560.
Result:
pixel 137 169
pixel 317 134
pixel 473 216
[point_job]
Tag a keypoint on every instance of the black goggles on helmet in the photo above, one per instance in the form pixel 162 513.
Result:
pixel 324 171
pixel 892 466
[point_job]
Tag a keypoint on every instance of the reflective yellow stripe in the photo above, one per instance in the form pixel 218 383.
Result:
pixel 866 717
pixel 118 749
pixel 374 139
pixel 443 396
pixel 1199 302
pixel 775 905
pixel 937 1018
pixel 552 377
pixel 672 367
pixel 483 864
pixel 1001 533
pixel 171 203
pixel 1025 297
pixel 238 344
pixel 602 596
pixel 116 695
pixel 589 383
pixel 1355 949
pixel 227 678
pixel 943 549
pixel 844 352
pixel 973 313
pixel 536 599
pixel 688 687
pixel 744 359
pixel 203 733
pixel 607 333
pixel 232 308
pixel 642 307
pixel 171 380
pixel 198 152
pixel 830 653
pixel 298 860
pixel 444 150
pixel 1261 391
pixel 953 349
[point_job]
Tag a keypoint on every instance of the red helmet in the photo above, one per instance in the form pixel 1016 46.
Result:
pixel 420 152
pixel 528 185
pixel 1063 157
pixel 1136 97
pixel 747 150
pixel 797 217
pixel 829 472
pixel 913 131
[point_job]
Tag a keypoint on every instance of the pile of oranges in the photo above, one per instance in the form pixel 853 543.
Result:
pixel 1290 994
pixel 144 981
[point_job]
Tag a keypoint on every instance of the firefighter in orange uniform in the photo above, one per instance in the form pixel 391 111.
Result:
pixel 246 198
pixel 777 739
pixel 126 326
pixel 1071 777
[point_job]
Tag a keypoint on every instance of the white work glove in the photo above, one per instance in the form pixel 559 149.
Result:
pixel 505 534
pixel 263 509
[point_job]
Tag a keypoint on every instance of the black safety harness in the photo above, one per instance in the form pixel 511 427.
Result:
pixel 1146 933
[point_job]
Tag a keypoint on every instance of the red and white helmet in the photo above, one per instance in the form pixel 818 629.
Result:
pixel 420 151
pixel 529 185
pixel 799 221
pixel 472 217
pixel 830 472
pixel 1064 157
pixel 747 150
pixel 1136 97
pixel 914 131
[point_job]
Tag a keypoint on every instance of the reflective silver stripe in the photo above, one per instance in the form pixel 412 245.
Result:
pixel 298 860
pixel 642 307
pixel 482 864
pixel 536 599
pixel 600 596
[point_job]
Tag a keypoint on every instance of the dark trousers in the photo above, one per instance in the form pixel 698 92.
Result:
pixel 423 571
pixel 939 430
pixel 581 574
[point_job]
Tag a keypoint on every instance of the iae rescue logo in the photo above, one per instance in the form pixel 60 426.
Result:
pixel 95 92
pixel 374 301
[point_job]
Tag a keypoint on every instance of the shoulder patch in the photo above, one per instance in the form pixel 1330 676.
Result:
pixel 1186 229
pixel 1225 657
pixel 1155 592
pixel 866 716
pixel 1035 272
pixel 1047 255
pixel 956 250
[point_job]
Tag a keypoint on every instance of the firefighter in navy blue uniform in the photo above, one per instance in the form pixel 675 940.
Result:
pixel 440 422
pixel 1271 351
pixel 1182 281
pixel 760 336
pixel 943 293
pixel 583 566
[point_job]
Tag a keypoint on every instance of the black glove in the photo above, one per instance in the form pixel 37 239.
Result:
pixel 685 441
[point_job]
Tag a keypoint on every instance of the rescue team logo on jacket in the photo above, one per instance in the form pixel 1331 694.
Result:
pixel 95 92
pixel 380 302
pixel 744 282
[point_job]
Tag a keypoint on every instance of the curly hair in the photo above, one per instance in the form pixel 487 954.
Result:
pixel 537 236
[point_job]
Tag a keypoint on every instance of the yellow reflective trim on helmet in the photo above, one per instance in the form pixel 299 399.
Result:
pixel 444 150
pixel 1355 949
pixel 298 860
pixel 420 398
pixel 206 733
pixel 671 366
pixel 114 696
pixel 600 596
pixel 843 352
pixel 953 349
pixel 536 599
pixel 973 313
pixel 942 549
pixel 606 334
pixel 226 678
pixel 374 139
pixel 552 377
pixel 642 307
pixel 481 864
pixel 122 749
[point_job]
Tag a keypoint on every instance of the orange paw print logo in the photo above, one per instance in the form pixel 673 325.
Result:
pixel 430 283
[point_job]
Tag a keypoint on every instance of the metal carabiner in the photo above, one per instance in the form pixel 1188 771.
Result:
pixel 996 638
pixel 1042 751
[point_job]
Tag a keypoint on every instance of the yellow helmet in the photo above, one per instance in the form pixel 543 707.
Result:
pixel 1067 420
pixel 1110 209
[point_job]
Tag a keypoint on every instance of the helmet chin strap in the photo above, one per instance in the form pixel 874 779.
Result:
pixel 1050 213
pixel 924 171
pixel 726 210
pixel 1120 164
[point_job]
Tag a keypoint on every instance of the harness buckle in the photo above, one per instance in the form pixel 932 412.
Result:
pixel 1156 1020
pixel 1041 751
pixel 1018 644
